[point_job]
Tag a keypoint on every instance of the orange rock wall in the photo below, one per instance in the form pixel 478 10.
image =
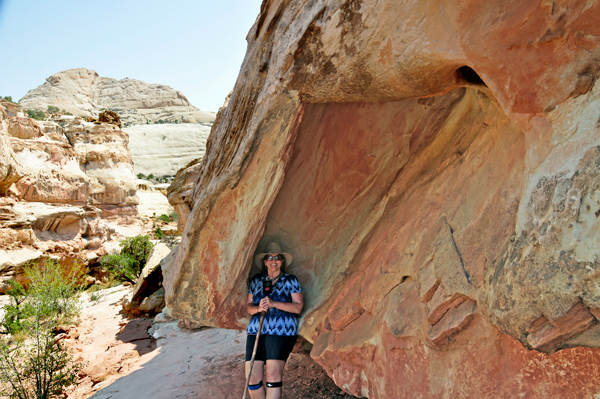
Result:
pixel 444 225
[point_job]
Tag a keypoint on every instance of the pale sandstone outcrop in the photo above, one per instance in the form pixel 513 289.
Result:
pixel 71 188
pixel 153 203
pixel 434 170
pixel 93 167
pixel 161 150
pixel 84 93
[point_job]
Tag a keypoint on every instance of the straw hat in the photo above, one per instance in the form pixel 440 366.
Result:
pixel 272 248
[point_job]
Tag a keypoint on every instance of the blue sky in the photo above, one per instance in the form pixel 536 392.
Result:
pixel 196 47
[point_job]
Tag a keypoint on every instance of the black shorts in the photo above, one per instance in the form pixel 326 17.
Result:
pixel 270 347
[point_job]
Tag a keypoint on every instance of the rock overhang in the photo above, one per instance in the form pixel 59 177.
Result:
pixel 349 139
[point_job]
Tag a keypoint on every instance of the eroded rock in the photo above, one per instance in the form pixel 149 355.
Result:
pixel 434 173
pixel 69 186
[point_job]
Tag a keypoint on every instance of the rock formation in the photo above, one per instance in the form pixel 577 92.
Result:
pixel 68 188
pixel 161 150
pixel 84 93
pixel 434 169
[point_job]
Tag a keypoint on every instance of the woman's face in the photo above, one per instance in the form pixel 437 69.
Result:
pixel 273 263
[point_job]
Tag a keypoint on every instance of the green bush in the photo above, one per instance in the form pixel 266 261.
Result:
pixel 174 216
pixel 141 176
pixel 18 311
pixel 33 364
pixel 164 218
pixel 158 233
pixel 50 297
pixel 36 114
pixel 138 248
pixel 128 264
pixel 122 267
pixel 9 98
pixel 150 176
pixel 39 369
pixel 53 110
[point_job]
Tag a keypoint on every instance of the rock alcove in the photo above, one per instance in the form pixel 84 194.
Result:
pixel 437 187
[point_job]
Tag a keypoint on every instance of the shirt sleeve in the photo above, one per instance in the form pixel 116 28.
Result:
pixel 295 287
pixel 253 285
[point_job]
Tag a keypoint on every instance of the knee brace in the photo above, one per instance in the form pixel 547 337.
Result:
pixel 274 384
pixel 255 386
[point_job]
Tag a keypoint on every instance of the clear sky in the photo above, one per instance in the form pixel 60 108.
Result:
pixel 194 46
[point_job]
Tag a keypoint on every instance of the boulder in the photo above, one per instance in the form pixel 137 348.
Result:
pixel 154 303
pixel 150 278
pixel 434 172
pixel 110 117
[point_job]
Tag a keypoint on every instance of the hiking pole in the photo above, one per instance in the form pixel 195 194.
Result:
pixel 262 318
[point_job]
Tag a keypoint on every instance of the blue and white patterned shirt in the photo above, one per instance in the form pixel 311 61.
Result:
pixel 277 322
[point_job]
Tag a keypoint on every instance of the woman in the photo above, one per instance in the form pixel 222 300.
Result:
pixel 280 327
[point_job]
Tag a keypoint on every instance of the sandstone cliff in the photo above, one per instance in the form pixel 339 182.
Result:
pixel 84 93
pixel 71 189
pixel 434 169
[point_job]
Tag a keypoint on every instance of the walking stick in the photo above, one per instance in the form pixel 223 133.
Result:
pixel 262 318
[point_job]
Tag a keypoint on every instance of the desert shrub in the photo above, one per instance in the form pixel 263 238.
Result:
pixel 36 114
pixel 9 98
pixel 122 267
pixel 164 218
pixel 150 176
pixel 138 247
pixel 96 297
pixel 141 176
pixel 56 289
pixel 158 233
pixel 128 264
pixel 33 364
pixel 18 311
pixel 52 109
pixel 40 368
pixel 174 216
pixel 51 297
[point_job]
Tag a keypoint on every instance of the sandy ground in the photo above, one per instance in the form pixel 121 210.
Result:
pixel 124 362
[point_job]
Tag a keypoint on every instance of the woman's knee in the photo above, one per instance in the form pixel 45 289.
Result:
pixel 274 370
pixel 257 372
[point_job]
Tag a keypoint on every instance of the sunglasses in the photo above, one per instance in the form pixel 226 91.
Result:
pixel 273 257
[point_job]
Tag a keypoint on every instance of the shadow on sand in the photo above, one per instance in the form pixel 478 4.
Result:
pixel 203 364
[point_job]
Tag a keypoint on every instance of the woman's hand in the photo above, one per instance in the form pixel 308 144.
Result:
pixel 265 304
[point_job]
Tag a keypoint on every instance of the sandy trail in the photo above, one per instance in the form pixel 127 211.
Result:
pixel 124 362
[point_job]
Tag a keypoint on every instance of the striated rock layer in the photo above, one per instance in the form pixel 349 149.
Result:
pixel 68 189
pixel 84 93
pixel 435 172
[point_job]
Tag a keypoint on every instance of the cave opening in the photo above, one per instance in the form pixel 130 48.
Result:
pixel 470 75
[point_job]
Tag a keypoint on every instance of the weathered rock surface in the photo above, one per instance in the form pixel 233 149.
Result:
pixel 10 170
pixel 435 172
pixel 181 190
pixel 71 187
pixel 161 150
pixel 84 93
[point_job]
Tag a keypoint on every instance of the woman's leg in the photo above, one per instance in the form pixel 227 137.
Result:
pixel 255 378
pixel 274 374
